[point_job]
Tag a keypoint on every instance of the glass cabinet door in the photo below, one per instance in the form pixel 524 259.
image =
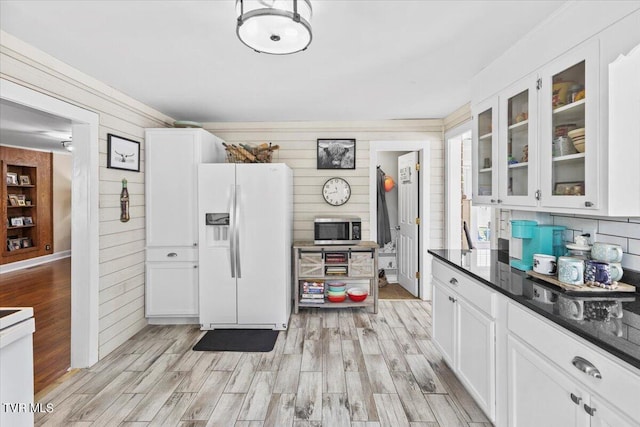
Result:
pixel 485 149
pixel 517 157
pixel 570 134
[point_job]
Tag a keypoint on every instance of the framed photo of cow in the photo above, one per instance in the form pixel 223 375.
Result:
pixel 336 153
pixel 123 153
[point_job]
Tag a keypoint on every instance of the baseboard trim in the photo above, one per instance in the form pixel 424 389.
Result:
pixel 173 320
pixel 20 265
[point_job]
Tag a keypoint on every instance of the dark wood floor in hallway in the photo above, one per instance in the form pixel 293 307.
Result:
pixel 346 367
pixel 46 288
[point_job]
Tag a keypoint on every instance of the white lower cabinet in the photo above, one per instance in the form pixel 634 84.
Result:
pixel 522 369
pixel 444 321
pixel 539 394
pixel 172 289
pixel 476 354
pixel 465 334
pixel 556 380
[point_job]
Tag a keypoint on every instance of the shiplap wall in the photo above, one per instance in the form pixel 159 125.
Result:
pixel 297 141
pixel 121 298
pixel 458 117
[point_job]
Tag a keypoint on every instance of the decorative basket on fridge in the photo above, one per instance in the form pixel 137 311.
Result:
pixel 244 153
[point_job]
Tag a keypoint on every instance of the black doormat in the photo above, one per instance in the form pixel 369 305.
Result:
pixel 246 340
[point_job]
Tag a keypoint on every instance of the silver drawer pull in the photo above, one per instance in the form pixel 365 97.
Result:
pixel 589 410
pixel 575 399
pixel 587 367
pixel 172 254
pixel 454 281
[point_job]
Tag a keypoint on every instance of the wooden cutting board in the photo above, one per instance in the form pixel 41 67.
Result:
pixel 622 287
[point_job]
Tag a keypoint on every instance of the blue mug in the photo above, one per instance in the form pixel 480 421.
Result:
pixel 597 272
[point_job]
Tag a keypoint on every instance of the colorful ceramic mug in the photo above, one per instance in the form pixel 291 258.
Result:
pixel 571 270
pixel 606 252
pixel 597 272
pixel 616 271
pixel 544 264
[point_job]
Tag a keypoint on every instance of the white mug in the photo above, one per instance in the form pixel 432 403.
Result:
pixel 544 264
pixel 606 252
pixel 571 270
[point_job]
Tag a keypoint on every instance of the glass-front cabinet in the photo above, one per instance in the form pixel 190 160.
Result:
pixel 569 131
pixel 517 158
pixel 485 152
pixel 536 142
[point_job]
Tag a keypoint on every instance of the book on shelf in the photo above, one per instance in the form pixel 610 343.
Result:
pixel 312 300
pixel 312 296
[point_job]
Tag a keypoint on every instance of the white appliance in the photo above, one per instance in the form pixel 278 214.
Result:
pixel 16 366
pixel 245 234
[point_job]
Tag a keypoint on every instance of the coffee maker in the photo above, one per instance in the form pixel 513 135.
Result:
pixel 536 239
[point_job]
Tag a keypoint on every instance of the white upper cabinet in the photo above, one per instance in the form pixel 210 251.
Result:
pixel 569 137
pixel 518 149
pixel 485 152
pixel 551 142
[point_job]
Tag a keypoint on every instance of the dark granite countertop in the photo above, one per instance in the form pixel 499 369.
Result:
pixel 611 321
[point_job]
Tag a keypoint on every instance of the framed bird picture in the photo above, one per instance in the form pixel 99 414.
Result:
pixel 123 153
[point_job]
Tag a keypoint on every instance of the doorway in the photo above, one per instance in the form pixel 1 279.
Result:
pixel 40 278
pixel 418 266
pixel 84 217
pixel 467 226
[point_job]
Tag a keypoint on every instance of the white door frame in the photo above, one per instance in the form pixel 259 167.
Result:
pixel 424 156
pixel 452 184
pixel 84 216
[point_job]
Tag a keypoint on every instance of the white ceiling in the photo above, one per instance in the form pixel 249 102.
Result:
pixel 25 127
pixel 368 60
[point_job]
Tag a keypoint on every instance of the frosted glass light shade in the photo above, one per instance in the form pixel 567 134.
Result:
pixel 272 26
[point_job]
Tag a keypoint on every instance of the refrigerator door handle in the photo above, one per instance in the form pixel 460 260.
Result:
pixel 232 227
pixel 237 230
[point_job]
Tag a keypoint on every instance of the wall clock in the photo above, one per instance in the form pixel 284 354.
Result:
pixel 336 191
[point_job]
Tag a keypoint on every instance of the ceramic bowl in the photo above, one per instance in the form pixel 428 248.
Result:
pixel 357 294
pixel 337 298
pixel 336 293
pixel 579 145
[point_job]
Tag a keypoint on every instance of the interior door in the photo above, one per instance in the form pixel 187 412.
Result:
pixel 407 218
pixel 217 282
pixel 263 245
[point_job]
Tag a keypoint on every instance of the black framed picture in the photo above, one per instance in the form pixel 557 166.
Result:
pixel 123 153
pixel 336 153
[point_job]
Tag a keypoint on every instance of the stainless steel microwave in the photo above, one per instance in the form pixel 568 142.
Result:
pixel 344 230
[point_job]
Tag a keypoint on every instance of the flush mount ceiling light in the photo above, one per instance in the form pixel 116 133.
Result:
pixel 278 27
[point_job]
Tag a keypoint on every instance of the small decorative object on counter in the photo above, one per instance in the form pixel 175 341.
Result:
pixel 124 202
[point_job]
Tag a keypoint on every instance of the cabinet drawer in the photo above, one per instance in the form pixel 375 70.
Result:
pixel 361 264
pixel 310 270
pixel 619 385
pixel 172 254
pixel 476 293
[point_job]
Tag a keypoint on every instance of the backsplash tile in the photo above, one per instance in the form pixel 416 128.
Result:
pixel 620 231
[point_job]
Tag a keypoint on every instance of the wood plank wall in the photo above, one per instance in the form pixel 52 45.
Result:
pixel 121 298
pixel 297 141
pixel 458 117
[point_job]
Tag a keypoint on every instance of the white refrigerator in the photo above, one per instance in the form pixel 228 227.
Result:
pixel 245 218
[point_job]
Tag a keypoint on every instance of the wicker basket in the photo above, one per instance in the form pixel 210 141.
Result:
pixel 243 153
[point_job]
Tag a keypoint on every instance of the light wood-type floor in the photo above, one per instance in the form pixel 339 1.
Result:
pixel 330 368
pixel 394 291
pixel 46 288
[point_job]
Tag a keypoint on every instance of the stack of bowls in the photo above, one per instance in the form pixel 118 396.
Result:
pixel 337 291
pixel 577 137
